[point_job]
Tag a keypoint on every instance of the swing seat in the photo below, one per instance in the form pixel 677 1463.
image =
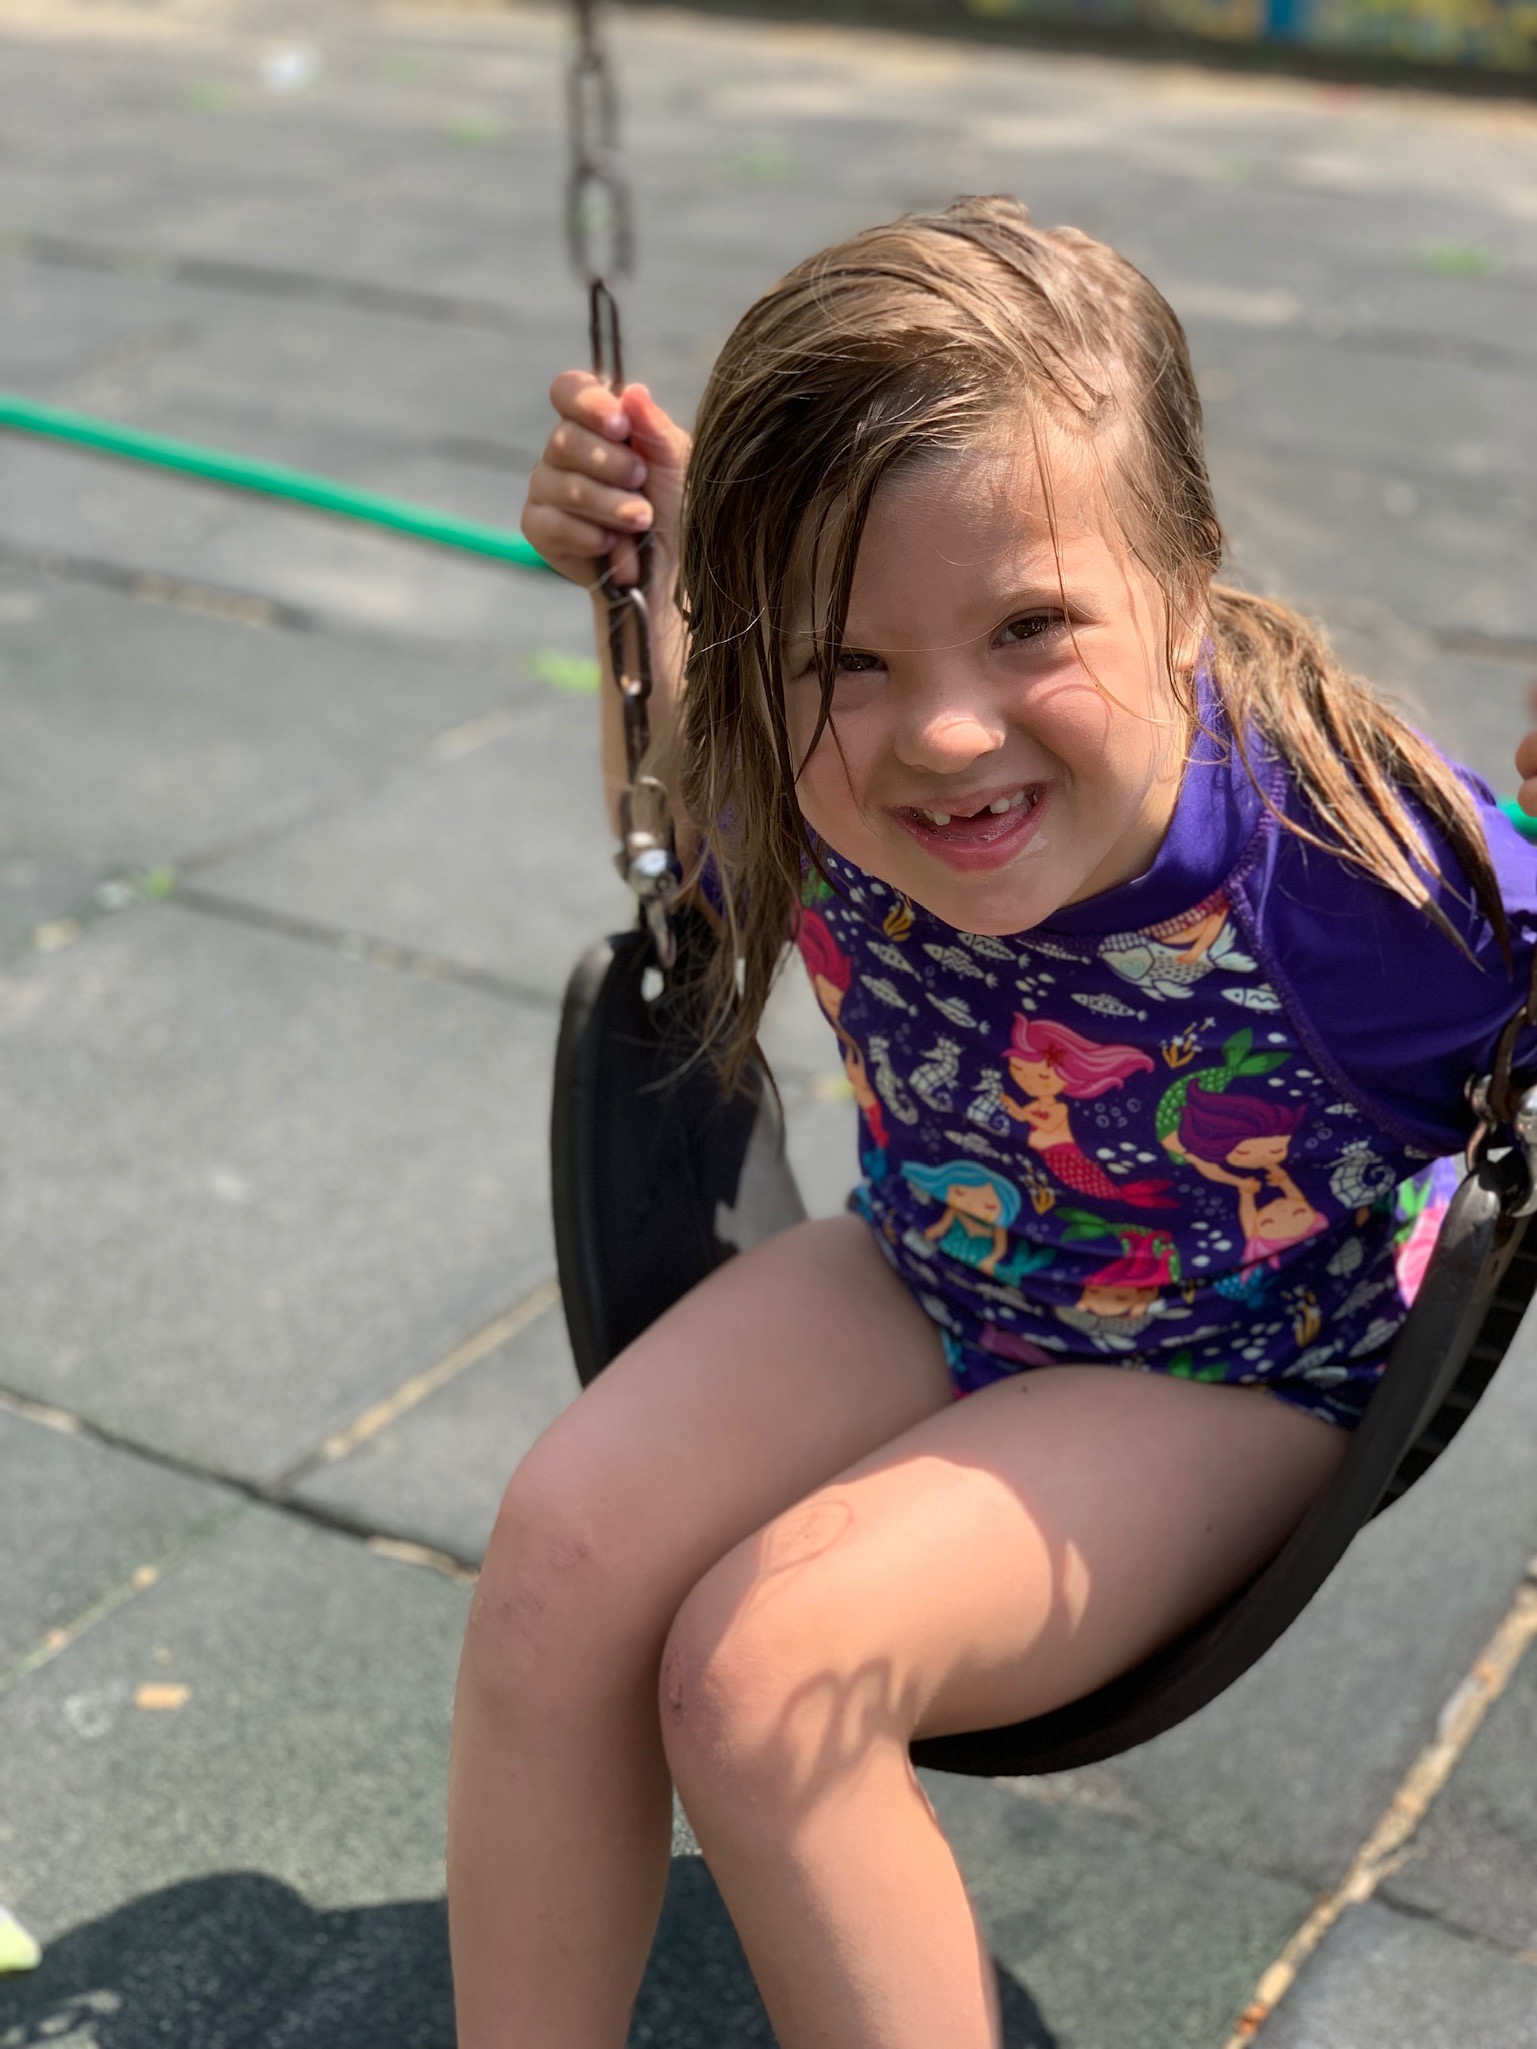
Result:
pixel 656 1181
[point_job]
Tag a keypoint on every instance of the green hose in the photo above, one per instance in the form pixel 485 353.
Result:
pixel 247 473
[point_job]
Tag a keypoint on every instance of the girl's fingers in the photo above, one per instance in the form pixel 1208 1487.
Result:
pixel 1526 756
pixel 573 546
pixel 568 491
pixel 1526 796
pixel 572 447
pixel 578 395
pixel 660 439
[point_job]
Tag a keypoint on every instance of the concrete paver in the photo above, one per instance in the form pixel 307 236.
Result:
pixel 311 1745
pixel 1117 1935
pixel 1384 1979
pixel 438 1474
pixel 252 1188
pixel 476 856
pixel 1473 1862
pixel 80 1520
pixel 133 734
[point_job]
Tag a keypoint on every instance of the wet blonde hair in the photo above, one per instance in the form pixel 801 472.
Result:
pixel 919 338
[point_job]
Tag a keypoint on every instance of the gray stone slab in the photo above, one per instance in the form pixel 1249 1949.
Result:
pixel 133 734
pixel 254 1186
pixel 1473 1860
pixel 499 858
pixel 438 1474
pixel 1113 1936
pixel 311 1746
pixel 151 523
pixel 77 1519
pixel 1382 1980
pixel 1292 1767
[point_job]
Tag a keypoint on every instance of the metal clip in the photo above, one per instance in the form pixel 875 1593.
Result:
pixel 1524 1125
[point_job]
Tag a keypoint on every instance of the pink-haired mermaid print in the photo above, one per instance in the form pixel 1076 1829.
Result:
pixel 832 976
pixel 1050 1063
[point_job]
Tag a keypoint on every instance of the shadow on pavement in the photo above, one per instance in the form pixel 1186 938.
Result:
pixel 239 1961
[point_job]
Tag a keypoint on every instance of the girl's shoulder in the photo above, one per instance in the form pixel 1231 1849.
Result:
pixel 1405 1013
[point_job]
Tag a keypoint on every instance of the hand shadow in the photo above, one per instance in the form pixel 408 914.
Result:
pixel 238 1960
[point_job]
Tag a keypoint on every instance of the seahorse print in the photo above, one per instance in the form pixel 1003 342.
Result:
pixel 986 1106
pixel 934 1082
pixel 888 1082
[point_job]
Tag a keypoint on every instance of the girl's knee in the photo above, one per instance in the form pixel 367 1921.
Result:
pixel 555 1604
pixel 763 1692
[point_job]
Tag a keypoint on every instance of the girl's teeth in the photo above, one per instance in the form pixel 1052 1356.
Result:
pixel 998 806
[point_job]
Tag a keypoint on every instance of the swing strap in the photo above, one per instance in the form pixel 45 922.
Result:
pixel 599 234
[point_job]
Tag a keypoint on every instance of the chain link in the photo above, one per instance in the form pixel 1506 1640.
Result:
pixel 599 235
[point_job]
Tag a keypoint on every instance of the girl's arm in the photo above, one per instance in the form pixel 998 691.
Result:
pixel 611 470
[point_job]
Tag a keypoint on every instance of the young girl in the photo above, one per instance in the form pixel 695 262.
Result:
pixel 949 661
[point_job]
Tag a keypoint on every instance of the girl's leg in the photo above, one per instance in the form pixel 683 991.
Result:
pixel 1008 1555
pixel 784 1368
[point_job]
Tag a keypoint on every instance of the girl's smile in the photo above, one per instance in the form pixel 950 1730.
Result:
pixel 1003 738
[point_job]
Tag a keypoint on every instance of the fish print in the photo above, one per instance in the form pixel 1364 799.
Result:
pixel 1105 1006
pixel 988 947
pixel 888 992
pixel 955 1008
pixel 1262 997
pixel 892 957
pixel 960 963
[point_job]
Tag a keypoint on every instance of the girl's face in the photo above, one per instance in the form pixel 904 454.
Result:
pixel 1004 740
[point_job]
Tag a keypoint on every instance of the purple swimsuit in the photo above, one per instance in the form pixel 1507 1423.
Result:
pixel 1183 1126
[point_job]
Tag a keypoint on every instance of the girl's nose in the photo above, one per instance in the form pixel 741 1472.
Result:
pixel 947 733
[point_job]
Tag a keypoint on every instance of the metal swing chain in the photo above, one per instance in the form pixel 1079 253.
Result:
pixel 600 238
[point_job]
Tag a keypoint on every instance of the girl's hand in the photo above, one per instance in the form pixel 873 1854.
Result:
pixel 611 470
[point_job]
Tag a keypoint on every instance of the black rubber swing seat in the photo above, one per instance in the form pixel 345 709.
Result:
pixel 657 1180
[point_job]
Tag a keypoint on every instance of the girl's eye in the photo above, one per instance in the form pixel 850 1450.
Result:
pixel 1033 626
pixel 852 663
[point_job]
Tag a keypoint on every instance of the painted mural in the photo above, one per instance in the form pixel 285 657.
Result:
pixel 1494 34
